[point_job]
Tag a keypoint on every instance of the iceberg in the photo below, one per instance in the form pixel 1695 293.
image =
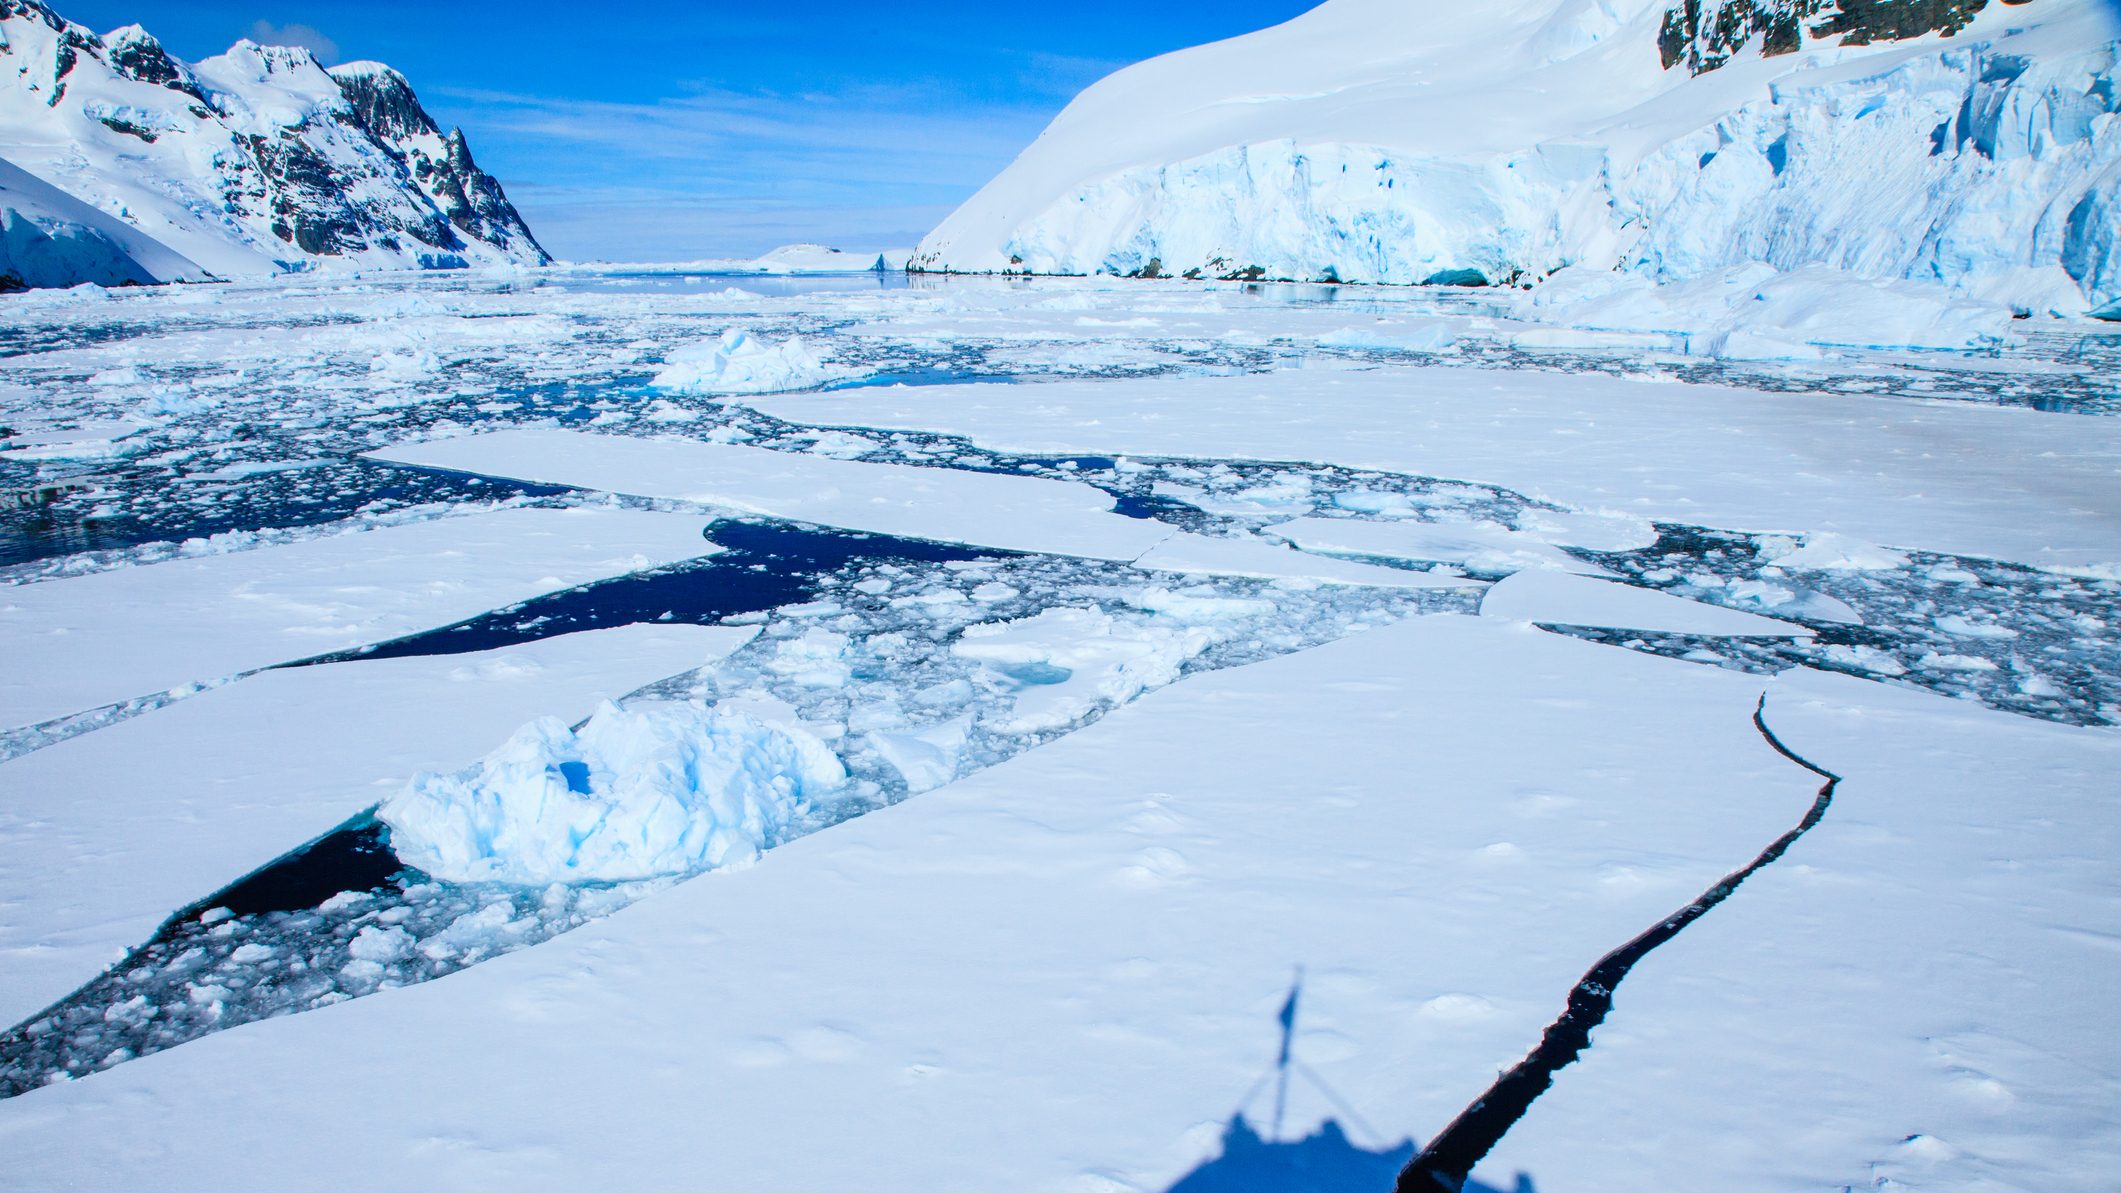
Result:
pixel 658 788
pixel 741 363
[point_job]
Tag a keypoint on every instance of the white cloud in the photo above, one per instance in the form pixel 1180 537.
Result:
pixel 309 37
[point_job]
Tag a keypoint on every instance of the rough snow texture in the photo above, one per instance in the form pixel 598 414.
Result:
pixel 1376 141
pixel 652 789
pixel 738 362
pixel 1753 312
pixel 256 161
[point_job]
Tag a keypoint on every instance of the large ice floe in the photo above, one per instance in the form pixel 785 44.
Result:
pixel 655 789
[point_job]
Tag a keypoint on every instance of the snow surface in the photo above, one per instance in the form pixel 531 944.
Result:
pixel 48 238
pixel 79 643
pixel 1482 546
pixel 1253 557
pixel 1752 312
pixel 1947 478
pixel 198 794
pixel 1014 512
pixel 654 789
pixel 1095 812
pixel 1557 598
pixel 1377 141
pixel 1134 935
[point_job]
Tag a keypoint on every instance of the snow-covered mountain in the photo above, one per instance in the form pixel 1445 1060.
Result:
pixel 50 238
pixel 256 161
pixel 1961 141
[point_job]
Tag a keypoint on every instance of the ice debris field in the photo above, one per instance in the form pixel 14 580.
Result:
pixel 889 702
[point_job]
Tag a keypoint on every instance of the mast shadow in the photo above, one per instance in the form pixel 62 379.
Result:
pixel 1326 1161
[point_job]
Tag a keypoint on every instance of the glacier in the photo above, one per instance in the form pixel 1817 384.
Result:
pixel 48 238
pixel 1362 143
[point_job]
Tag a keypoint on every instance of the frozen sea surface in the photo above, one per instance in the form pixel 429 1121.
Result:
pixel 145 430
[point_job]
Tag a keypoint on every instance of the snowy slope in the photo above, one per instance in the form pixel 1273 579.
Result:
pixel 253 162
pixel 50 238
pixel 1380 141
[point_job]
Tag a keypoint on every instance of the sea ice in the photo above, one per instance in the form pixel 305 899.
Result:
pixel 983 509
pixel 85 641
pixel 1482 546
pixel 742 363
pixel 1937 476
pixel 1829 551
pixel 925 758
pixel 1063 663
pixel 653 789
pixel 1559 598
pixel 204 791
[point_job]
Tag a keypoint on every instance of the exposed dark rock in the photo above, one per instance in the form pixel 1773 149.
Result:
pixel 384 104
pixel 470 200
pixel 127 127
pixel 135 54
pixel 1705 34
pixel 308 207
pixel 373 173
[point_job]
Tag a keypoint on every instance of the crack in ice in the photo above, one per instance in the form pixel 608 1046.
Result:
pixel 1447 1162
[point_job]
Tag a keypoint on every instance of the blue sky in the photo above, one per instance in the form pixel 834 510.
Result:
pixel 628 130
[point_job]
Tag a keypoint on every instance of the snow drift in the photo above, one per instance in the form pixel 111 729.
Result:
pixel 1380 141
pixel 652 789
pixel 250 163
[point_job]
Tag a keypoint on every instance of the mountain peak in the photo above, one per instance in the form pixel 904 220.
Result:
pixel 253 161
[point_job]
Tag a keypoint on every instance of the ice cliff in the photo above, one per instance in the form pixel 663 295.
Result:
pixel 1964 142
pixel 254 162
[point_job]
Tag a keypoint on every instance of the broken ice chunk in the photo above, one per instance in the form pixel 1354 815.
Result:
pixel 654 789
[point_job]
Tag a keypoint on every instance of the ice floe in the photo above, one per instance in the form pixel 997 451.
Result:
pixel 86 641
pixel 1560 598
pixel 984 509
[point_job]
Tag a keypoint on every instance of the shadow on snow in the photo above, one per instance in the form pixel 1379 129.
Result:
pixel 1326 1161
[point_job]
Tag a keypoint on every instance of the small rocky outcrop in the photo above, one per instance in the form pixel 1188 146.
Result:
pixel 1705 34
